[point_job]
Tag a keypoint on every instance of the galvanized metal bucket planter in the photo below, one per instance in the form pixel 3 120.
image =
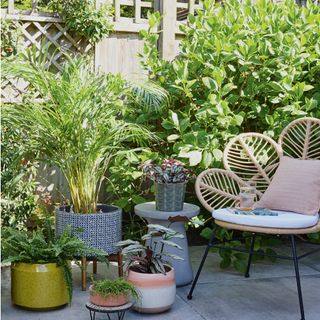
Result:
pixel 170 196
pixel 100 230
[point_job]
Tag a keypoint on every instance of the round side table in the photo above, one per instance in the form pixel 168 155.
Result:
pixel 120 310
pixel 183 269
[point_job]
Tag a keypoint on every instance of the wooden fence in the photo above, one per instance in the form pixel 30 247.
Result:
pixel 117 54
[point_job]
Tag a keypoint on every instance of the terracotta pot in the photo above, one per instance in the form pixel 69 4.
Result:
pixel 157 291
pixel 108 301
pixel 38 286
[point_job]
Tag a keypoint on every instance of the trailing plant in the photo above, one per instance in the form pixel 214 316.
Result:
pixel 41 246
pixel 150 257
pixel 83 17
pixel 117 287
pixel 170 171
pixel 79 125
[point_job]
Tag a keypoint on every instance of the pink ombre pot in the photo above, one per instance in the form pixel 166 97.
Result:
pixel 157 291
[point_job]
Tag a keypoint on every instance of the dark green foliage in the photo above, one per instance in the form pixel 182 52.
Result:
pixel 18 170
pixel 115 287
pixel 80 16
pixel 150 257
pixel 314 237
pixel 239 260
pixel 83 17
pixel 10 37
pixel 41 246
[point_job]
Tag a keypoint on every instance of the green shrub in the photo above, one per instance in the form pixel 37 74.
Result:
pixel 243 66
pixel 84 18
pixel 18 171
pixel 10 37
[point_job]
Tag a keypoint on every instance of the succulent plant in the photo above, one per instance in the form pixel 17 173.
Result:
pixel 170 171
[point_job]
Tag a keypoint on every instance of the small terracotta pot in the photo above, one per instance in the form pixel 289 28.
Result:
pixel 108 301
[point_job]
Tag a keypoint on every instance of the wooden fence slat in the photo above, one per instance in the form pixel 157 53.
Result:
pixel 11 6
pixel 137 12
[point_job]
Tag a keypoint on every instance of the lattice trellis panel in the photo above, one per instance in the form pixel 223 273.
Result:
pixel 59 39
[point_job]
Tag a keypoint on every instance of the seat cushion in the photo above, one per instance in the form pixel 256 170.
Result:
pixel 294 187
pixel 283 219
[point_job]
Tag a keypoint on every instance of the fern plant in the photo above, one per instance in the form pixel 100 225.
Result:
pixel 41 246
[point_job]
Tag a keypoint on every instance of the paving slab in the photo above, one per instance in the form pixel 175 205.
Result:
pixel 270 293
pixel 259 270
pixel 253 299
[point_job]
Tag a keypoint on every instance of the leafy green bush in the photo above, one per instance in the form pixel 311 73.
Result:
pixel 18 171
pixel 10 37
pixel 83 17
pixel 243 66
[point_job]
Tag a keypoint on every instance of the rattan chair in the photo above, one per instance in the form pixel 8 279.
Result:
pixel 255 157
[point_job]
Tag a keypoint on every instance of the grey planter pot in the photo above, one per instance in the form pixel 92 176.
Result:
pixel 98 230
pixel 170 196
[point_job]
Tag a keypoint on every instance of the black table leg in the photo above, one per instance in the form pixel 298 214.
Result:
pixel 92 315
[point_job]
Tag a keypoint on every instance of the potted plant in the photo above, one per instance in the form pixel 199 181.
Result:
pixel 112 293
pixel 148 270
pixel 79 126
pixel 170 180
pixel 40 265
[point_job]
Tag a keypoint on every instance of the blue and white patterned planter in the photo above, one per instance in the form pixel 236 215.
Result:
pixel 98 230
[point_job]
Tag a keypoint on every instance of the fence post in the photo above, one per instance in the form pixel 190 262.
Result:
pixel 97 47
pixel 167 39
pixel 11 7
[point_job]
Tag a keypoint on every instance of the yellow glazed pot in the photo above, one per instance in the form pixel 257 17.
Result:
pixel 38 286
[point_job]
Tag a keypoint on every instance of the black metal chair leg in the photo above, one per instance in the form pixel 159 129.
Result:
pixel 247 274
pixel 296 268
pixel 200 267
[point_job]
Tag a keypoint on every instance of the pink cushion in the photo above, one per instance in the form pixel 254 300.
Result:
pixel 294 187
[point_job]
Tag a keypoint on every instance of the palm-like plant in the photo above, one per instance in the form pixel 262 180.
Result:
pixel 78 124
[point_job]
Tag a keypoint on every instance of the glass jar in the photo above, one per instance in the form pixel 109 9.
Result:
pixel 247 195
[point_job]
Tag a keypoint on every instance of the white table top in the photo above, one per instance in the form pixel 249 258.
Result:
pixel 148 210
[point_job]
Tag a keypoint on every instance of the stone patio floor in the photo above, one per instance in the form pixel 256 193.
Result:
pixel 270 293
